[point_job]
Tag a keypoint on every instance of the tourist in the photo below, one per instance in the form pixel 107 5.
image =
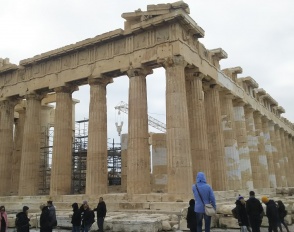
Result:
pixel 22 221
pixel 282 214
pixel 254 211
pixel 52 211
pixel 242 214
pixel 87 218
pixel 191 216
pixel 202 190
pixel 271 213
pixel 3 219
pixel 101 213
pixel 46 221
pixel 76 218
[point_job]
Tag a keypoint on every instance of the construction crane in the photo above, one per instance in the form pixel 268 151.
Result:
pixel 124 107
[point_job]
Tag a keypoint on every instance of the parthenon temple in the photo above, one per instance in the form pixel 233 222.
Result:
pixel 217 121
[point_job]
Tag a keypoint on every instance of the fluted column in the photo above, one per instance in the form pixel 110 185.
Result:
pixel 244 155
pixel 284 158
pixel 215 138
pixel 275 153
pixel 269 153
pixel 288 160
pixel 6 145
pixel 61 169
pixel 197 122
pixel 138 175
pixel 291 159
pixel 179 165
pixel 30 159
pixel 262 165
pixel 16 156
pixel 230 141
pixel 97 171
pixel 279 159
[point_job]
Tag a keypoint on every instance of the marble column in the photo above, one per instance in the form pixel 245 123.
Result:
pixel 139 169
pixel 244 155
pixel 179 164
pixel 291 159
pixel 269 153
pixel 215 138
pixel 288 160
pixel 16 156
pixel 279 159
pixel 29 178
pixel 275 154
pixel 262 165
pixel 197 122
pixel 61 168
pixel 97 171
pixel 6 145
pixel 284 158
pixel 230 140
pixel 124 162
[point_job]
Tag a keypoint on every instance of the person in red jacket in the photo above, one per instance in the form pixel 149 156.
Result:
pixel 3 219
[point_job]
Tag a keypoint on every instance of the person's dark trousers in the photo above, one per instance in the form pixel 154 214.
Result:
pixel 207 220
pixel 255 224
pixel 272 227
pixel 100 224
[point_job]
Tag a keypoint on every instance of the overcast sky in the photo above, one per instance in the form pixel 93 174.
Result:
pixel 257 35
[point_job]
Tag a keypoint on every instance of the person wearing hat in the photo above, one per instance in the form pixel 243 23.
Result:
pixel 271 213
pixel 254 211
pixel 22 221
pixel 242 214
pixel 76 218
pixel 45 219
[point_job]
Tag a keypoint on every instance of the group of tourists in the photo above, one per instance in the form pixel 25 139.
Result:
pixel 249 213
pixel 83 217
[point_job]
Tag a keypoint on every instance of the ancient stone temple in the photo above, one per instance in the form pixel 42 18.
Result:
pixel 217 121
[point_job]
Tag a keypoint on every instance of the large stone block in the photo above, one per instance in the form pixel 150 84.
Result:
pixel 228 222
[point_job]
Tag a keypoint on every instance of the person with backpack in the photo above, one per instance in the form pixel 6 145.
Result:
pixel 254 211
pixel 3 219
pixel 101 213
pixel 282 214
pixel 242 214
pixel 191 217
pixel 76 218
pixel 272 214
pixel 22 221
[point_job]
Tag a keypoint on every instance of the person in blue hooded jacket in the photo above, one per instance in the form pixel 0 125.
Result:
pixel 207 196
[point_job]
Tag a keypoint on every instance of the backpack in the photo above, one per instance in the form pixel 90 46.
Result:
pixel 234 213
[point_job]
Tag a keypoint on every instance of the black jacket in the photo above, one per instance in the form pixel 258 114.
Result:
pixel 242 214
pixel 191 218
pixel 101 209
pixel 22 224
pixel 76 217
pixel 254 208
pixel 272 213
pixel 46 221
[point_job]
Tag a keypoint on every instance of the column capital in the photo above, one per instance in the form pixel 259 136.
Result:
pixel 100 81
pixel 239 102
pixel 257 113
pixel 211 86
pixel 173 61
pixel 227 94
pixel 66 89
pixel 193 73
pixel 35 96
pixel 141 71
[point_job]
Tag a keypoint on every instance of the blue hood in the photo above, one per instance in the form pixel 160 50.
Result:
pixel 200 178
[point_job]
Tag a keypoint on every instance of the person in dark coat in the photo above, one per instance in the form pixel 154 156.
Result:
pixel 88 218
pixel 254 211
pixel 76 218
pixel 282 214
pixel 101 213
pixel 191 217
pixel 22 220
pixel 52 211
pixel 242 214
pixel 46 221
pixel 272 214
